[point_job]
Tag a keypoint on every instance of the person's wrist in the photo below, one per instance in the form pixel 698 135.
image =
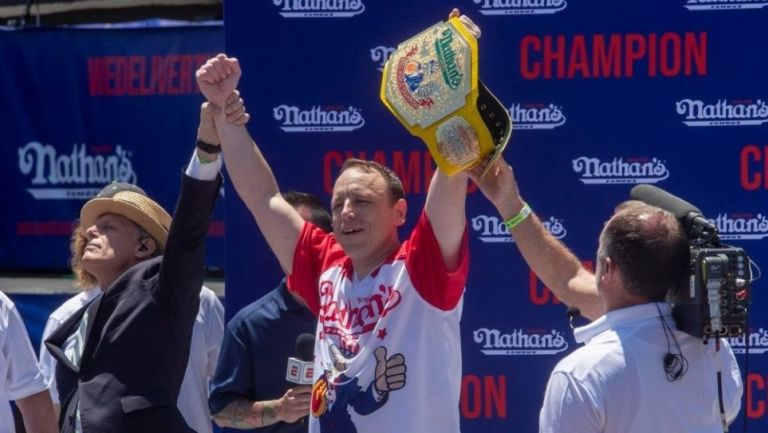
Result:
pixel 510 207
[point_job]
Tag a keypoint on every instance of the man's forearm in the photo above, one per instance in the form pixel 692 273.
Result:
pixel 246 414
pixel 37 411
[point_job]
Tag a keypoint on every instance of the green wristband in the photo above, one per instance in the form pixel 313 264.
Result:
pixel 520 217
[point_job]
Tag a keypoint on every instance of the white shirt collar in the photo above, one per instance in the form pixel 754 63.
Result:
pixel 623 316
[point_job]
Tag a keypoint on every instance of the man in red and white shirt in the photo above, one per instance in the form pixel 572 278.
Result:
pixel 387 351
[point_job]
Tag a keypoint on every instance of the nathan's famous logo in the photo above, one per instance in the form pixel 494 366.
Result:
pixel 77 175
pixel 318 119
pixel 620 170
pixel 701 5
pixel 722 112
pixel 491 229
pixel 520 342
pixel 356 315
pixel 381 54
pixel 319 8
pixel 536 116
pixel 447 58
pixel 520 7
pixel 744 226
pixel 757 341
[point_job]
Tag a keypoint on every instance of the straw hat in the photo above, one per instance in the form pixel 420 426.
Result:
pixel 138 208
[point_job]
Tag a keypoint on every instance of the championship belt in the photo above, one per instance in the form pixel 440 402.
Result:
pixel 430 84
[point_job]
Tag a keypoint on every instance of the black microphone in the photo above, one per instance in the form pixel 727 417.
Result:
pixel 301 367
pixel 573 313
pixel 689 215
pixel 305 347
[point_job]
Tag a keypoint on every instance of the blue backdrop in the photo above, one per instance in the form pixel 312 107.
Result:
pixel 604 95
pixel 83 107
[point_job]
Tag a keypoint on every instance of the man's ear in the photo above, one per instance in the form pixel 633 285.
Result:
pixel 145 248
pixel 401 208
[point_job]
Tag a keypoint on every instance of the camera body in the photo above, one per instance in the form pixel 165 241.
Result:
pixel 713 299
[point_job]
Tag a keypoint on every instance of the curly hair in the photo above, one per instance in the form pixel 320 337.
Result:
pixel 77 244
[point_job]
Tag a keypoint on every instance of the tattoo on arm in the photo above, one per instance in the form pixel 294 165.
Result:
pixel 268 414
pixel 237 414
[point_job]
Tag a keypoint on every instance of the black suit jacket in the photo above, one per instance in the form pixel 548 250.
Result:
pixel 139 333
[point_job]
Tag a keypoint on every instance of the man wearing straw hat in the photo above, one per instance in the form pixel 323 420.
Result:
pixel 121 358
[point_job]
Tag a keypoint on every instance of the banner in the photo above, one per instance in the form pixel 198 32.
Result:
pixel 669 93
pixel 84 107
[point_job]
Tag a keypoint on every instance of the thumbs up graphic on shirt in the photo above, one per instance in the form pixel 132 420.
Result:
pixel 390 372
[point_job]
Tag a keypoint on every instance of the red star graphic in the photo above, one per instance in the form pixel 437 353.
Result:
pixel 382 333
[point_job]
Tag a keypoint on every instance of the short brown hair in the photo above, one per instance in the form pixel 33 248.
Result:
pixel 394 185
pixel 649 247
pixel 318 214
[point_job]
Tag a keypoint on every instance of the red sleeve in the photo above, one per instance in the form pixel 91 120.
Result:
pixel 313 248
pixel 438 285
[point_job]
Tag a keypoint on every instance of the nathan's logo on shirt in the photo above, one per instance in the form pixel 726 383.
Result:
pixel 491 229
pixel 722 112
pixel 745 226
pixel 77 175
pixel 356 315
pixel 536 116
pixel 758 342
pixel 701 5
pixel 381 54
pixel 520 342
pixel 620 170
pixel 319 8
pixel 520 7
pixel 318 119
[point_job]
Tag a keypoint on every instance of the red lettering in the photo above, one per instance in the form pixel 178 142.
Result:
pixel 95 76
pixel 331 160
pixel 529 70
pixel 670 49
pixel 652 53
pixel 486 397
pixel 755 405
pixel 406 165
pixel 696 52
pixel 751 177
pixel 185 74
pixel 171 66
pixel 634 49
pixel 578 60
pixel 554 55
pixel 606 63
pixel 133 76
pixel 409 171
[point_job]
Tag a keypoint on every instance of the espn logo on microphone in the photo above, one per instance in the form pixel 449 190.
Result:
pixel 299 372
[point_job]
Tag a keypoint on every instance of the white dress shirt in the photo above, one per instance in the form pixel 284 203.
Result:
pixel 617 383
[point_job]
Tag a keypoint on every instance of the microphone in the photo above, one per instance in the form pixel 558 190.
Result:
pixel 572 313
pixel 301 367
pixel 690 216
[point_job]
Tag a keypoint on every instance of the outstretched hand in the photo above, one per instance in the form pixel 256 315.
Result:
pixel 499 186
pixel 218 78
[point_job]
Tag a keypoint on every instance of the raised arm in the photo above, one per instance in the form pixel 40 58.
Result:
pixel 446 198
pixel 549 258
pixel 247 167
pixel 445 208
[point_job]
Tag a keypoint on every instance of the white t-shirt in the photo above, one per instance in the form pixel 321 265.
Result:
pixel 19 374
pixel 617 383
pixel 203 354
pixel 409 306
